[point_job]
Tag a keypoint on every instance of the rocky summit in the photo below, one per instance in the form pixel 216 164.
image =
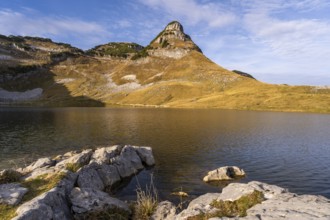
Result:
pixel 170 72
pixel 172 42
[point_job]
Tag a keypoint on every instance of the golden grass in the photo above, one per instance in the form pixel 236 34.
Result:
pixel 36 187
pixel 193 81
pixel 10 176
pixel 41 184
pixel 146 202
pixel 73 167
pixel 7 211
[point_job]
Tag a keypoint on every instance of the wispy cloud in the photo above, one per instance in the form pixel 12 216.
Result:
pixel 280 5
pixel 194 12
pixel 301 37
pixel 31 23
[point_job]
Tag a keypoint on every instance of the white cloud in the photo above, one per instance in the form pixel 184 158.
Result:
pixel 280 5
pixel 213 14
pixel 30 23
pixel 295 38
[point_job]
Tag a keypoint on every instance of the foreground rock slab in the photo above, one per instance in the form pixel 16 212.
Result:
pixel 278 204
pixel 292 206
pixel 12 193
pixel 87 201
pixel 49 205
pixel 224 173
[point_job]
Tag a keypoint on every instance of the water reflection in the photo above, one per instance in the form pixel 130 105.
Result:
pixel 289 149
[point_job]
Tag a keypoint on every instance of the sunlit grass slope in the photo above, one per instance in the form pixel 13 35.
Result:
pixel 190 82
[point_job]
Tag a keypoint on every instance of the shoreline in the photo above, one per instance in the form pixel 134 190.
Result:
pixel 141 106
pixel 75 179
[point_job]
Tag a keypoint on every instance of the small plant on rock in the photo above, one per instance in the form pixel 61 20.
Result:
pixel 73 167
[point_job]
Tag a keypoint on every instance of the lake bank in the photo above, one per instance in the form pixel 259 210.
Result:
pixel 80 185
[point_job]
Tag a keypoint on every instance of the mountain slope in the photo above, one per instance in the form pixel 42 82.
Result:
pixel 170 72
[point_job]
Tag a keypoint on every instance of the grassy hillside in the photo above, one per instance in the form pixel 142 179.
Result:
pixel 108 75
pixel 190 82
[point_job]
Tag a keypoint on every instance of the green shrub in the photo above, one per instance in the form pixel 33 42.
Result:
pixel 140 54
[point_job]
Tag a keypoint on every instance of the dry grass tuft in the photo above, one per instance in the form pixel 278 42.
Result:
pixel 146 203
pixel 36 186
pixel 9 176
pixel 73 167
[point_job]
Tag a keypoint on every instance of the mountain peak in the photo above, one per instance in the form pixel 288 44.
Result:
pixel 174 26
pixel 173 41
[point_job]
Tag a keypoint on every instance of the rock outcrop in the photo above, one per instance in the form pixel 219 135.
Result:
pixel 278 204
pixel 224 173
pixel 85 179
pixel 172 42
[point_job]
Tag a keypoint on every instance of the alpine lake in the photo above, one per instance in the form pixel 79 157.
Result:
pixel 291 150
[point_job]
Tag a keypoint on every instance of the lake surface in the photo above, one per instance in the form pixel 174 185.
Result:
pixel 291 150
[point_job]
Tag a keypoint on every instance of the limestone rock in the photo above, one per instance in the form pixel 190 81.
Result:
pixel 11 193
pixel 175 53
pixel 128 162
pixel 164 211
pixel 85 200
pixel 40 163
pixel 88 177
pixel 80 159
pixel 109 175
pixel 268 190
pixel 104 154
pixel 34 211
pixel 172 42
pixel 278 204
pixel 224 173
pixel 51 205
pixel 9 175
pixel 199 205
pixel 40 171
pixel 102 168
pixel 68 182
pixel 146 155
pixel 291 206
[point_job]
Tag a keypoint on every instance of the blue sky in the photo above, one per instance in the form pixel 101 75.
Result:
pixel 277 41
